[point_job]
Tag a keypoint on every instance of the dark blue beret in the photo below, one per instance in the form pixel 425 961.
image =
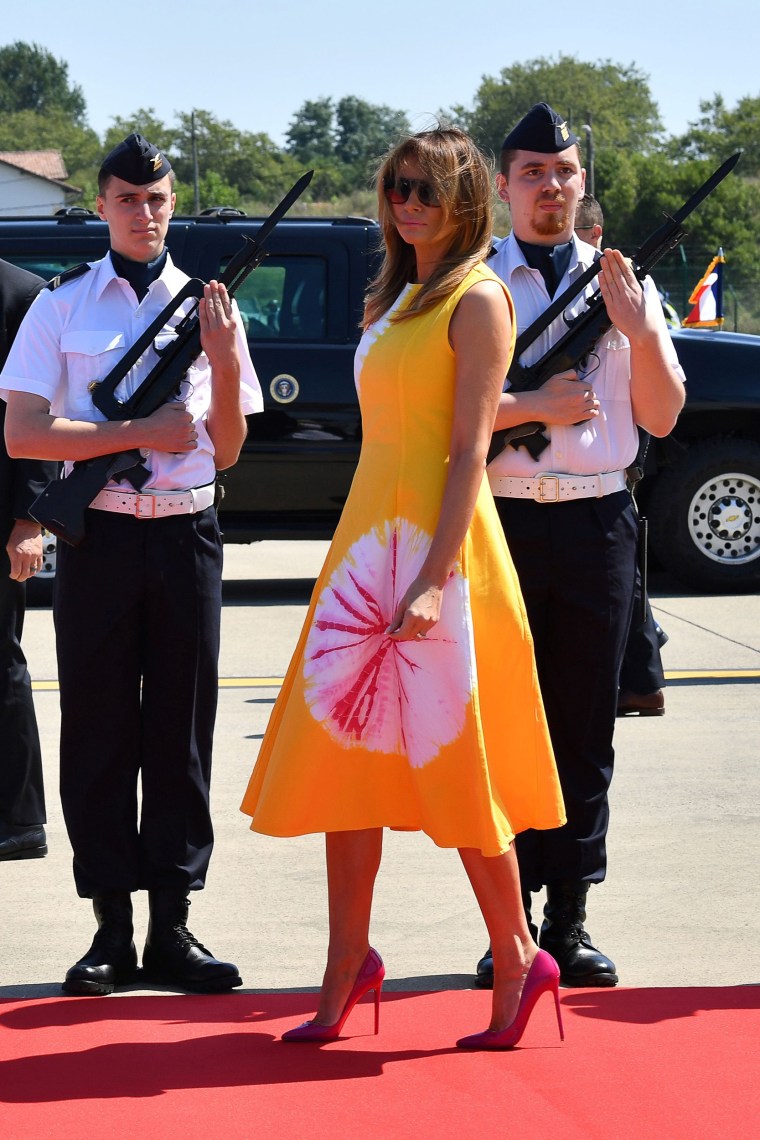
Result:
pixel 137 161
pixel 542 130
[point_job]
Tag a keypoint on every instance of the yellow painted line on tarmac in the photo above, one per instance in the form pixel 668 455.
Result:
pixel 276 682
pixel 250 682
pixel 224 683
pixel 709 674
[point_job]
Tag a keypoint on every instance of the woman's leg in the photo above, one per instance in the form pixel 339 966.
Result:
pixel 496 883
pixel 353 859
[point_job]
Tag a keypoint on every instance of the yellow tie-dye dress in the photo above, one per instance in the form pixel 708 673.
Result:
pixel 445 734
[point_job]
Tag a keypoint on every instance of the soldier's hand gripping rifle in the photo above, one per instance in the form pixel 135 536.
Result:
pixel 585 330
pixel 62 505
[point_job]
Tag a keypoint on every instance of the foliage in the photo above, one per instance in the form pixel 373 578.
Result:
pixel 343 141
pixel 614 98
pixel 637 190
pixel 29 130
pixel 143 122
pixel 719 132
pixel 251 162
pixel 32 79
pixel 232 164
pixel 310 134
pixel 364 131
pixel 638 173
pixel 212 191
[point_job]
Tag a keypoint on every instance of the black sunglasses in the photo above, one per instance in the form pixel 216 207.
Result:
pixel 397 191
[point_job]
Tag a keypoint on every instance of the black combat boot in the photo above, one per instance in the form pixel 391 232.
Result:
pixel 563 936
pixel 484 968
pixel 112 959
pixel 174 956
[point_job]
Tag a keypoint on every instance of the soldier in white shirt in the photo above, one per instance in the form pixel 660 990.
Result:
pixel 568 518
pixel 137 604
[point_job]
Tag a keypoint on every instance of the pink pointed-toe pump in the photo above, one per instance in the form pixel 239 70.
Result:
pixel 543 976
pixel 370 977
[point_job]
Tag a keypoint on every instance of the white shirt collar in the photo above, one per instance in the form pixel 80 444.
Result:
pixel 510 257
pixel 170 281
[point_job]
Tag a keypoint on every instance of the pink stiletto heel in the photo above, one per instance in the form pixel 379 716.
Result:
pixel 543 975
pixel 370 977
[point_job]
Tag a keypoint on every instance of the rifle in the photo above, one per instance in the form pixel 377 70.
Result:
pixel 62 505
pixel 585 330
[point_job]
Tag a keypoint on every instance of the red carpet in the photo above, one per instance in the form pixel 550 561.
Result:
pixel 648 1064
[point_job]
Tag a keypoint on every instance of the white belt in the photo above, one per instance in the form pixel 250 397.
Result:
pixel 550 488
pixel 154 504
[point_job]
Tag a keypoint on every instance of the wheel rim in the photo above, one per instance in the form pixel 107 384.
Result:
pixel 724 519
pixel 49 555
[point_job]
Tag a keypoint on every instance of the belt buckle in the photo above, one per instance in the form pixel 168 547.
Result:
pixel 542 497
pixel 139 512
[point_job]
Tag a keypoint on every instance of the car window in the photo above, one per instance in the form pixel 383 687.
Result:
pixel 285 299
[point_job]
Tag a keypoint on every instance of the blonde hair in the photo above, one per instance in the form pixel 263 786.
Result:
pixel 461 177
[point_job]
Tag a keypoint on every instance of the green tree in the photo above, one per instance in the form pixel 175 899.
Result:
pixel 342 141
pixel 636 191
pixel 720 131
pixel 28 130
pixel 212 191
pixel 364 131
pixel 32 79
pixel 311 142
pixel 143 122
pixel 617 98
pixel 310 136
pixel 250 162
pixel 233 165
pixel 260 169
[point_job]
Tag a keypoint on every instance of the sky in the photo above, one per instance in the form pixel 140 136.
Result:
pixel 256 63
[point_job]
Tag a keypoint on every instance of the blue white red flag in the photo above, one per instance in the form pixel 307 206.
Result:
pixel 707 297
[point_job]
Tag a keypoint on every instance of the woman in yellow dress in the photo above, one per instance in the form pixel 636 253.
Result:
pixel 411 701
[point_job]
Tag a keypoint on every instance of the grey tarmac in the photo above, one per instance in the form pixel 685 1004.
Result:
pixel 679 907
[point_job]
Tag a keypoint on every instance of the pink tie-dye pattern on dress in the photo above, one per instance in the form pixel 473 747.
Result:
pixel 369 691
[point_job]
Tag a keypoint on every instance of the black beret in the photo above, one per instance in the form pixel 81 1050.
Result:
pixel 541 130
pixel 137 161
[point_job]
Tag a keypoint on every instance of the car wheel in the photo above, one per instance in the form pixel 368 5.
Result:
pixel 39 589
pixel 704 516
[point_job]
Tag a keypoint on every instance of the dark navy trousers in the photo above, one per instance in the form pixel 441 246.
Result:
pixel 22 795
pixel 137 611
pixel 641 671
pixel 576 562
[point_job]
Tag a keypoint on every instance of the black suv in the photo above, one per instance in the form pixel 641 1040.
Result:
pixel 302 309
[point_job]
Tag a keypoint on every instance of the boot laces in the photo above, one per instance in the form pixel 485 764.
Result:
pixel 187 938
pixel 576 932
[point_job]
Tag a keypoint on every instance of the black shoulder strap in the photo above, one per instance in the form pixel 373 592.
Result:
pixel 68 275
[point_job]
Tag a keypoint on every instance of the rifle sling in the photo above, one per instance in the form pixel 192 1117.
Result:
pixel 106 387
pixel 558 306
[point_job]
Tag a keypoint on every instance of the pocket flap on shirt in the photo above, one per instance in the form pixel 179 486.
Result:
pixel 91 342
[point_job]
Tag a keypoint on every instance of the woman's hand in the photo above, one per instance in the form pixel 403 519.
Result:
pixel 417 612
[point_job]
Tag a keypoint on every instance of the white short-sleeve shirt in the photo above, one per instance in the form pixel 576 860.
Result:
pixel 75 334
pixel 610 441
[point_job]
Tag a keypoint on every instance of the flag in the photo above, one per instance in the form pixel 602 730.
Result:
pixel 707 297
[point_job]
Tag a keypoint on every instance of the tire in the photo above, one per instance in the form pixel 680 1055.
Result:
pixel 39 589
pixel 704 516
